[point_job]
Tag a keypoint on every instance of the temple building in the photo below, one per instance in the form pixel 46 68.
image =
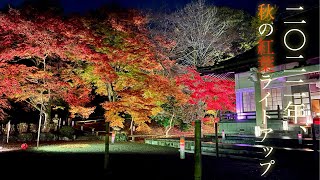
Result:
pixel 293 100
pixel 285 100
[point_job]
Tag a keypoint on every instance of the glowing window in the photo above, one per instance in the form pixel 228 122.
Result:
pixel 248 102
pixel 303 98
pixel 274 99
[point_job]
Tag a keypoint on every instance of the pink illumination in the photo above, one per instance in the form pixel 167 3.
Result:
pixel 24 146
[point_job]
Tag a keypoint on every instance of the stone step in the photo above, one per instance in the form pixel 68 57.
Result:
pixel 233 156
pixel 235 152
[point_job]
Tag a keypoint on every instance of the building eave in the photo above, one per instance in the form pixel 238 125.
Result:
pixel 295 71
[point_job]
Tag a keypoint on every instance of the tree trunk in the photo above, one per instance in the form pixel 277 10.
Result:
pixel 48 112
pixel 202 131
pixel 45 123
pixel 131 129
pixel 45 109
pixel 110 93
pixel 47 119
pixel 170 125
pixel 8 131
pixel 106 152
pixel 216 132
pixel 197 151
pixel 39 128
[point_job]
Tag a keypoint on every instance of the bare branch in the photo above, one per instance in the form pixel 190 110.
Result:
pixel 202 35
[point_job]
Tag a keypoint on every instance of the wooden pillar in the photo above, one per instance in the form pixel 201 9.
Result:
pixel 217 138
pixel 259 105
pixel 197 151
pixel 106 153
pixel 279 112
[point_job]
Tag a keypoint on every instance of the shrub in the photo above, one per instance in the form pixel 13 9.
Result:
pixel 67 131
pixel 33 128
pixel 162 120
pixel 184 127
pixel 47 137
pixel 12 129
pixel 25 137
pixel 22 127
pixel 11 138
pixel 46 127
pixel 121 137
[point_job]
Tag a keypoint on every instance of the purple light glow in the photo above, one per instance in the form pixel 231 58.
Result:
pixel 239 117
pixel 243 145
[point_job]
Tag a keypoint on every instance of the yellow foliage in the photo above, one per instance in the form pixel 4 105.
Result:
pixel 147 94
pixel 101 88
pixel 143 127
pixel 213 112
pixel 83 111
pixel 156 111
pixel 113 117
pixel 124 82
pixel 116 123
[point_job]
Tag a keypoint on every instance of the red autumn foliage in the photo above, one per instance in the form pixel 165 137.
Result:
pixel 139 89
pixel 55 46
pixel 216 94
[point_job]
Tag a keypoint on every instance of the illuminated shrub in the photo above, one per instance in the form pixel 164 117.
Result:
pixel 22 127
pixel 47 137
pixel 25 137
pixel 12 129
pixel 67 131
pixel 33 128
pixel 121 137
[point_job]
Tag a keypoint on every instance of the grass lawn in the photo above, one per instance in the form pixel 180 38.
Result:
pixel 98 147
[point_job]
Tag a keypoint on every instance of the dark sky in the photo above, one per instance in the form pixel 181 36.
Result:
pixel 81 6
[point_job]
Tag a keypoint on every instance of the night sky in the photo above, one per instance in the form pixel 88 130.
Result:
pixel 82 6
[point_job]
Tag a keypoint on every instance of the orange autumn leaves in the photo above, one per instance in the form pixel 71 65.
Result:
pixel 141 99
pixel 112 57
pixel 140 87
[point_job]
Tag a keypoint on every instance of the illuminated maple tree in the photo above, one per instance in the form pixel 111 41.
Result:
pixel 55 48
pixel 140 88
pixel 114 54
pixel 206 93
pixel 10 84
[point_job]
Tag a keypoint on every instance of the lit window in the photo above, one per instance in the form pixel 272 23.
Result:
pixel 303 98
pixel 248 102
pixel 274 99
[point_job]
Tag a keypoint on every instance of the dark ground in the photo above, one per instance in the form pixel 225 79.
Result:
pixel 289 165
